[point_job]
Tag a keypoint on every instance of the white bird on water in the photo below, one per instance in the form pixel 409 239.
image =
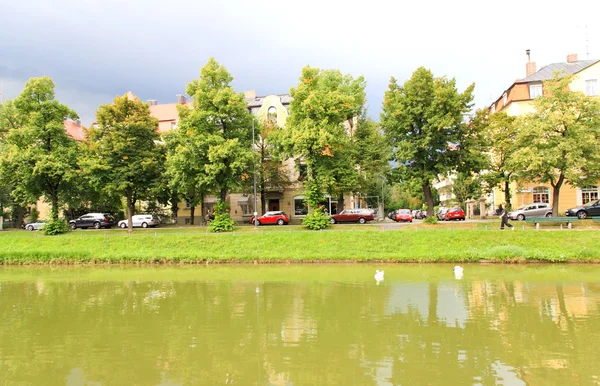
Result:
pixel 378 275
pixel 458 272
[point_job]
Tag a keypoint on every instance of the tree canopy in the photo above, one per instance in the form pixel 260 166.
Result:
pixel 424 120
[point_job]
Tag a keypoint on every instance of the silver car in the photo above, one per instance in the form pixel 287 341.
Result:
pixel 34 226
pixel 141 220
pixel 532 210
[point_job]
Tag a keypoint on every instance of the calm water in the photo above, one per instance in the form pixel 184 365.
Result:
pixel 300 325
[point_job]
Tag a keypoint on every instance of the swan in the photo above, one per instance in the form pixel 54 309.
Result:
pixel 458 272
pixel 378 275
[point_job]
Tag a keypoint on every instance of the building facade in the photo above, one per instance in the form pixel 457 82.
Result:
pixel 518 100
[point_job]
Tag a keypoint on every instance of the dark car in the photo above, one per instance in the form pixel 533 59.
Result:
pixel 93 220
pixel 455 214
pixel 273 217
pixel 352 215
pixel 441 213
pixel 590 209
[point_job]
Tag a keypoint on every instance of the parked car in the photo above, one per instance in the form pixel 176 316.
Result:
pixel 531 210
pixel 420 214
pixel 441 213
pixel 141 220
pixel 272 217
pixel 34 226
pixel 590 209
pixel 352 215
pixel 404 215
pixel 93 220
pixel 455 214
pixel 392 215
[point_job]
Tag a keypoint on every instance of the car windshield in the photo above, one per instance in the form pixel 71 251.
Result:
pixel 404 211
pixel 591 203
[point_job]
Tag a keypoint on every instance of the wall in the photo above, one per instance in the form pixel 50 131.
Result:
pixel 592 72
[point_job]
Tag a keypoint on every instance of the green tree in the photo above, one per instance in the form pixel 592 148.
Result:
pixel 121 153
pixel 560 142
pixel 424 121
pixel 500 133
pixel 38 156
pixel 221 121
pixel 187 157
pixel 323 111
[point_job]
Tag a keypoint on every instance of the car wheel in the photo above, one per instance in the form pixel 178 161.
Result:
pixel 361 220
pixel 332 221
pixel 581 214
pixel 29 227
pixel 96 225
pixel 548 214
pixel 257 222
pixel 280 222
pixel 73 227
pixel 520 217
pixel 144 225
pixel 123 225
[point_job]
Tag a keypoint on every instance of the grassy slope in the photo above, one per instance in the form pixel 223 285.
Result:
pixel 289 244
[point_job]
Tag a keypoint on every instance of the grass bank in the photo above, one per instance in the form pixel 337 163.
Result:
pixel 286 244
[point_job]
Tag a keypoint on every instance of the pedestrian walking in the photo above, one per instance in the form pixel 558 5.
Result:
pixel 504 219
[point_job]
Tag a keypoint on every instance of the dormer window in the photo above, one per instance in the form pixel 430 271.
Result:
pixel 535 90
pixel 505 98
pixel 272 113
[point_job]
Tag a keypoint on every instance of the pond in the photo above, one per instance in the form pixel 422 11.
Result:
pixel 300 325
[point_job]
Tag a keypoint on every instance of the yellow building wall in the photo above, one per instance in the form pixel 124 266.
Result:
pixel 592 72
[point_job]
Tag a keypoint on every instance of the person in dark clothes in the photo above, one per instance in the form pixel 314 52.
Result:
pixel 504 219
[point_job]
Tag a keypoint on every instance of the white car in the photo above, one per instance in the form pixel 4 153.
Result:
pixel 141 220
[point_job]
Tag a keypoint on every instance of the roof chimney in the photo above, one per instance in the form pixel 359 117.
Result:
pixel 152 102
pixel 530 66
pixel 181 99
pixel 571 58
pixel 251 94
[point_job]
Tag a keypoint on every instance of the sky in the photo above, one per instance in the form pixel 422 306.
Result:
pixel 97 49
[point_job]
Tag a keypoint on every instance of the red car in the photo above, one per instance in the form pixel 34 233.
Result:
pixel 275 217
pixel 352 215
pixel 454 214
pixel 403 215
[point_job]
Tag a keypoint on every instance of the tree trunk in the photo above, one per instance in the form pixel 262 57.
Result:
pixel 223 194
pixel 20 216
pixel 556 194
pixel 428 198
pixel 174 207
pixel 54 209
pixel 203 218
pixel 263 200
pixel 340 204
pixel 130 209
pixel 192 211
pixel 507 195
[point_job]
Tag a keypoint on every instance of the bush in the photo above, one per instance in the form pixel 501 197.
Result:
pixel 56 227
pixel 316 220
pixel 222 221
pixel 430 220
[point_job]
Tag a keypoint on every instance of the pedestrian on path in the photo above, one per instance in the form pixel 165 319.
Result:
pixel 504 219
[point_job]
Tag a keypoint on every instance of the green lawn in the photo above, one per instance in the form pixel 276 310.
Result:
pixel 441 243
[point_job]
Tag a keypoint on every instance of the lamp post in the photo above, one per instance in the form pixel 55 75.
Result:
pixel 254 177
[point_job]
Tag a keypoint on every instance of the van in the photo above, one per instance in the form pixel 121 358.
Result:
pixel 141 220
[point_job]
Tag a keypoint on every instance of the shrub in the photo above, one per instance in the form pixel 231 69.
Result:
pixel 430 220
pixel 222 221
pixel 56 227
pixel 316 220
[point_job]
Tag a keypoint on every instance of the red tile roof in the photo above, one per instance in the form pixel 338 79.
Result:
pixel 74 130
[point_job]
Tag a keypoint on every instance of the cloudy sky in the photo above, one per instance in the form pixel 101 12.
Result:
pixel 97 49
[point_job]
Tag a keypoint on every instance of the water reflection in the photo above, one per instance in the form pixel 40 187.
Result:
pixel 300 325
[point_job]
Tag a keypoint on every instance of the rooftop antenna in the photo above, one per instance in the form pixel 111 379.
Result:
pixel 587 43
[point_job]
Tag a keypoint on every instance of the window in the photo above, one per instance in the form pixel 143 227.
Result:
pixel 591 87
pixel 535 90
pixel 505 98
pixel 589 193
pixel 302 172
pixel 188 205
pixel 300 206
pixel 272 114
pixel 541 194
pixel 493 108
pixel 174 124
pixel 246 208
